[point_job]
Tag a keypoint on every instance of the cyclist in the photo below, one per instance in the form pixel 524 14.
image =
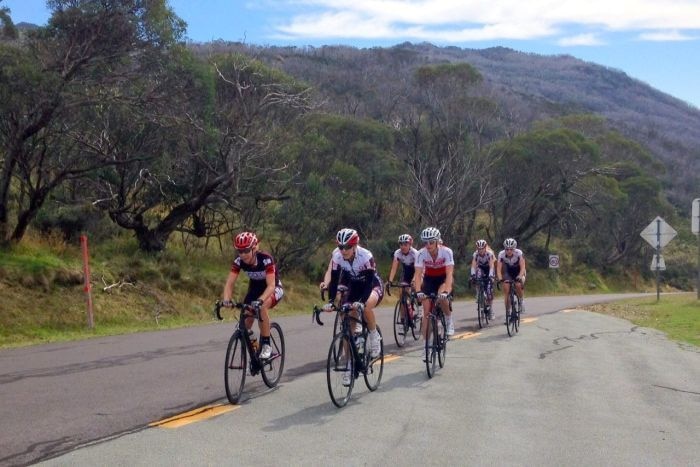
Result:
pixel 359 272
pixel 434 274
pixel 483 269
pixel 511 266
pixel 406 255
pixel 264 288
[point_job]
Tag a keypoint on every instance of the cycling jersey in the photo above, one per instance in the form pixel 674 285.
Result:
pixel 257 273
pixel 408 262
pixel 438 266
pixel 511 265
pixel 358 273
pixel 483 261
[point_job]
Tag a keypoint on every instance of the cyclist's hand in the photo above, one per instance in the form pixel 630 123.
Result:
pixel 256 304
pixel 322 286
pixel 444 296
pixel 328 307
pixel 473 277
pixel 420 296
pixel 227 303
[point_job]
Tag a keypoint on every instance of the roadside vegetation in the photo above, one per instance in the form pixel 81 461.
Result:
pixel 676 315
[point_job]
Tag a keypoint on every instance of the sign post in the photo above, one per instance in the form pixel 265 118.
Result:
pixel 554 268
pixel 88 286
pixel 695 227
pixel 658 234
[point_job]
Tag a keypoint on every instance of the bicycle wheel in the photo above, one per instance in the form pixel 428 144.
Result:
pixel 235 368
pixel 400 323
pixel 517 315
pixel 336 324
pixel 441 332
pixel 431 347
pixel 340 360
pixel 417 325
pixel 272 367
pixel 511 320
pixel 481 309
pixel 374 366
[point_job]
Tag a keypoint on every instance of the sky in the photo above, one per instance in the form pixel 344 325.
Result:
pixel 654 41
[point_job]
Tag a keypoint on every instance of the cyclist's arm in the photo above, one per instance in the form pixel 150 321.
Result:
pixel 270 286
pixel 499 270
pixel 492 266
pixel 228 288
pixel 522 266
pixel 327 276
pixel 473 271
pixel 449 279
pixel 394 267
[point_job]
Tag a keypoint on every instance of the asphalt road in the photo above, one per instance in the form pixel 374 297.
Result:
pixel 572 388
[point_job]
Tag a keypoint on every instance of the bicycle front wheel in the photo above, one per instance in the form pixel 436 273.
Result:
pixel 441 332
pixel 272 367
pixel 511 320
pixel 400 323
pixel 235 369
pixel 417 323
pixel 481 309
pixel 374 366
pixel 431 347
pixel 517 315
pixel 340 363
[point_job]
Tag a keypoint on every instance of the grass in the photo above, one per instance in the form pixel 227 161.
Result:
pixel 676 315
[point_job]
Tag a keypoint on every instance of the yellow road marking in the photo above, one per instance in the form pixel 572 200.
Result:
pixel 196 415
pixel 569 310
pixel 391 357
pixel 528 320
pixel 465 335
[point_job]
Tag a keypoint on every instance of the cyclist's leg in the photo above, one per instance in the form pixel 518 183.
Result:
pixel 264 323
pixel 427 309
pixel 519 286
pixel 375 297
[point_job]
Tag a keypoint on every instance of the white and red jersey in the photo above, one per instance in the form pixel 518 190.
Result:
pixel 510 261
pixel 435 267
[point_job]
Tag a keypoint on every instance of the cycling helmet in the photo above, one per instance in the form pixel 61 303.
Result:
pixel 245 240
pixel 347 237
pixel 481 244
pixel 510 243
pixel 405 238
pixel 430 233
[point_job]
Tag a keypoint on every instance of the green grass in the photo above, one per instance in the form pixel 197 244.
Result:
pixel 676 315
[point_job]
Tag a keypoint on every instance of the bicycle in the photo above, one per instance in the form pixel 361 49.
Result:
pixel 350 352
pixel 242 345
pixel 405 317
pixel 481 314
pixel 513 310
pixel 436 336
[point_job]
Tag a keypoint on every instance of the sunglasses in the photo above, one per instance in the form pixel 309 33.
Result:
pixel 510 249
pixel 403 243
pixel 242 251
pixel 345 247
pixel 430 242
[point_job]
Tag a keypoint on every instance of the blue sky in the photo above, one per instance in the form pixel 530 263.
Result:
pixel 655 41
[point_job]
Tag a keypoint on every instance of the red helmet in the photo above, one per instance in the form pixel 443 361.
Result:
pixel 245 240
pixel 347 237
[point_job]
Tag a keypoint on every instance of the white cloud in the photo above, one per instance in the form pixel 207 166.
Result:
pixel 664 36
pixel 581 39
pixel 477 20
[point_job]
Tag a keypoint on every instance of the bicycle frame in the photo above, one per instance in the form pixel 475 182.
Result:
pixel 512 310
pixel 435 341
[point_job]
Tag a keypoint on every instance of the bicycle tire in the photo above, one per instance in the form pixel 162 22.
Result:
pixel 517 316
pixel 480 308
pixel 430 347
pixel 374 368
pixel 400 323
pixel 340 359
pixel 273 367
pixel 417 325
pixel 442 340
pixel 235 367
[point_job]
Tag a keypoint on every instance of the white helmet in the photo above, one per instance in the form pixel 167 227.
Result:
pixel 481 243
pixel 347 237
pixel 430 233
pixel 510 243
pixel 405 238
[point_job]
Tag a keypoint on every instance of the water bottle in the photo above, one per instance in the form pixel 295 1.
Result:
pixel 360 342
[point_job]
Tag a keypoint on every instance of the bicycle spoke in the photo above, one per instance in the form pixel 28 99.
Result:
pixel 235 368
pixel 273 367
pixel 340 360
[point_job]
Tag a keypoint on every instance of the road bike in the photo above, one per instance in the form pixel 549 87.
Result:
pixel 244 345
pixel 436 336
pixel 513 310
pixel 405 316
pixel 481 313
pixel 349 352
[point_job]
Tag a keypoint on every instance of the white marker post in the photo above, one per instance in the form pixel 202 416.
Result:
pixel 695 227
pixel 658 234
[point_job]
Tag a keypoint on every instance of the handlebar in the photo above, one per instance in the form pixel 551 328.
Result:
pixel 219 304
pixel 316 313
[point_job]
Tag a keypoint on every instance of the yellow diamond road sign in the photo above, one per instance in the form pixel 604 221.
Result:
pixel 658 233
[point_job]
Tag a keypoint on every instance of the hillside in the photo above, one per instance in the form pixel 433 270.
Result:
pixel 529 87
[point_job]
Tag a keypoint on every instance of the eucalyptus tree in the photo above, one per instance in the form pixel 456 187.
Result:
pixel 213 158
pixel 86 55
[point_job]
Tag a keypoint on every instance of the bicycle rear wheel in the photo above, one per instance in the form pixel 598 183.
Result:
pixel 431 347
pixel 374 366
pixel 417 322
pixel 481 309
pixel 442 340
pixel 511 320
pixel 340 361
pixel 272 367
pixel 235 368
pixel 400 323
